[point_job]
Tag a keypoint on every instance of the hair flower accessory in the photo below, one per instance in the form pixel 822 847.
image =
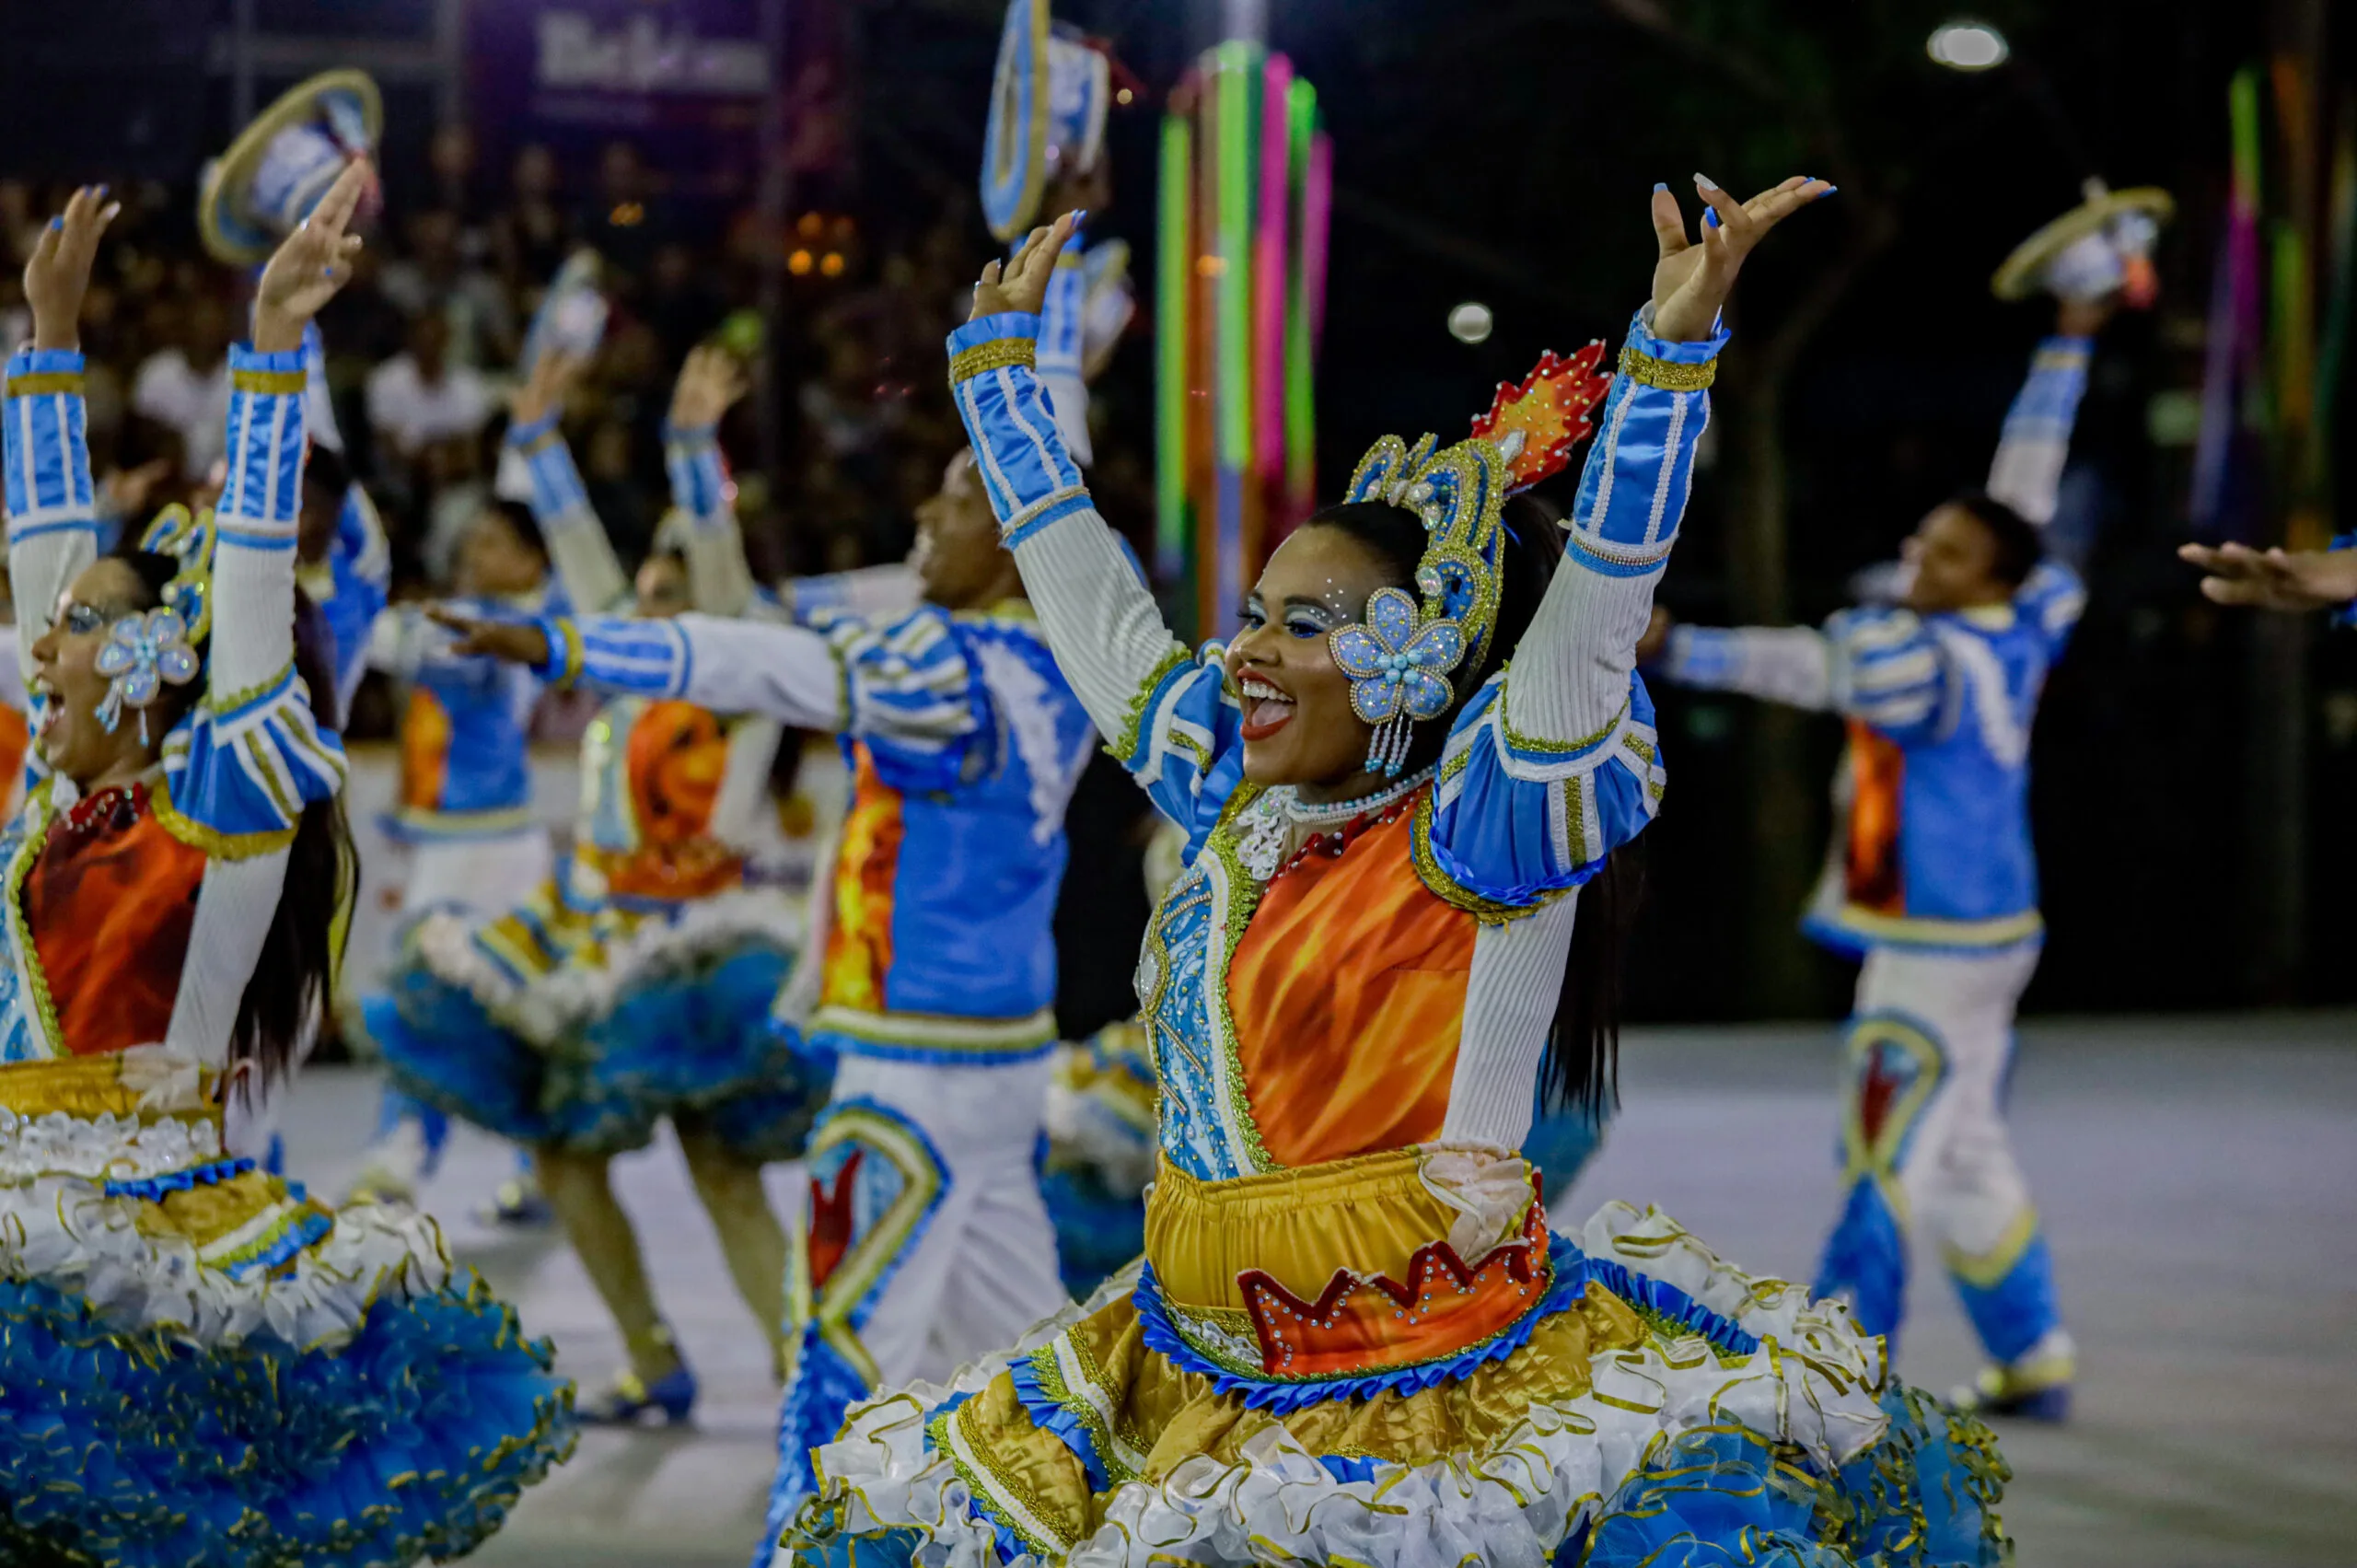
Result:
pixel 144 653
pixel 1400 658
pixel 1397 670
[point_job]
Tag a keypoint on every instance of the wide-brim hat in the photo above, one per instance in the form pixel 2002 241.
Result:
pixel 1048 99
pixel 2023 272
pixel 280 165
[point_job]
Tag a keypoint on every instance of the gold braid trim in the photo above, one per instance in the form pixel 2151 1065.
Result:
pixel 1125 744
pixel 1668 374
pixel 999 353
pixel 212 840
pixel 1448 891
pixel 280 382
pixel 43 381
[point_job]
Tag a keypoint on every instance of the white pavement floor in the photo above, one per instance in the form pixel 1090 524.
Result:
pixel 2198 1178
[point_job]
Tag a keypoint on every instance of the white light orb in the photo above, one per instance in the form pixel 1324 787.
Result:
pixel 1471 322
pixel 1968 46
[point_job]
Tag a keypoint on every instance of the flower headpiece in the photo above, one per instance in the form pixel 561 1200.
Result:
pixel 151 649
pixel 188 538
pixel 1400 658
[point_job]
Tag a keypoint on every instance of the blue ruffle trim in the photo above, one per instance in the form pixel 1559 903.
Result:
pixel 1657 1299
pixel 1010 1545
pixel 1865 1261
pixel 1050 1416
pixel 151 1189
pixel 137 1450
pixel 699 1040
pixel 307 1230
pixel 1713 1496
pixel 1283 1398
pixel 821 1393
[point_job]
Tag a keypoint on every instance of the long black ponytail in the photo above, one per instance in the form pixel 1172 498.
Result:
pixel 287 996
pixel 1581 1069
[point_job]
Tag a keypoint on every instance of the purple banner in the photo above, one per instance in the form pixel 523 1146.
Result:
pixel 682 80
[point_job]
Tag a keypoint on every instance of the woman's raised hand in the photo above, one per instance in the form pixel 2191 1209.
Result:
pixel 1021 285
pixel 712 379
pixel 546 388
pixel 1693 277
pixel 58 275
pixel 309 264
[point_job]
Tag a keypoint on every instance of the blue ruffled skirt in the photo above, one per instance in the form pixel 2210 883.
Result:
pixel 201 1367
pixel 687 1032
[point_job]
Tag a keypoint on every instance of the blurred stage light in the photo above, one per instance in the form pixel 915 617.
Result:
pixel 1967 46
pixel 831 264
pixel 1471 322
pixel 798 263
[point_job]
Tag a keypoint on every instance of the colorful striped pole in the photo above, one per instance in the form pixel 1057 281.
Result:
pixel 1244 208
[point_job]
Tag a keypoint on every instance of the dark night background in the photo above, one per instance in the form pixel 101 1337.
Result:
pixel 1501 150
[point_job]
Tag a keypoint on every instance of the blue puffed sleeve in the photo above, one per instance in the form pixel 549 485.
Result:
pixel 1889 672
pixel 1556 763
pixel 913 694
pixel 248 757
pixel 1184 743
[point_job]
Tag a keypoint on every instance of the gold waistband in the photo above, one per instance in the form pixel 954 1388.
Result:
pixel 1367 1214
pixel 92 1086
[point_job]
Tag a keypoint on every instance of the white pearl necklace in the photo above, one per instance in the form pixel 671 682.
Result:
pixel 1322 813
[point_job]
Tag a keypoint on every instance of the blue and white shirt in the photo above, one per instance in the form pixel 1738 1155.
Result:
pixel 965 744
pixel 1935 853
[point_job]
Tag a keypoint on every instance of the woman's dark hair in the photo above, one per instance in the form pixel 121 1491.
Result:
pixel 287 993
pixel 1581 1066
pixel 2018 548
pixel 522 524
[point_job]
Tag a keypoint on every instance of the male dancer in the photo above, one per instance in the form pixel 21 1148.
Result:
pixel 1933 883
pixel 926 1241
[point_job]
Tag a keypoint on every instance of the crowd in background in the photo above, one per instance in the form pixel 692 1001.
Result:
pixel 422 348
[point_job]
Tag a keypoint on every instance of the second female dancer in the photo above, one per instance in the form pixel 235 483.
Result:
pixel 1353 1336
pixel 636 985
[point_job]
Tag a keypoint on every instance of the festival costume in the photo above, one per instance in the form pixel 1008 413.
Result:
pixel 1353 1336
pixel 203 1366
pixel 636 983
pixel 937 976
pixel 1932 882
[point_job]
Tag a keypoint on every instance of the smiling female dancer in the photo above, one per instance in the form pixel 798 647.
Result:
pixel 1353 1336
pixel 198 1364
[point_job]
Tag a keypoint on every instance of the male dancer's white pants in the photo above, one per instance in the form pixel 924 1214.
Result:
pixel 1924 1143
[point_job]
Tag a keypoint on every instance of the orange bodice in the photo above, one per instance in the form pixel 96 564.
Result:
pixel 1348 991
pixel 110 906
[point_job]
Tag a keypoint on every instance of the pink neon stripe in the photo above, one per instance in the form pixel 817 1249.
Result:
pixel 1269 274
pixel 1316 217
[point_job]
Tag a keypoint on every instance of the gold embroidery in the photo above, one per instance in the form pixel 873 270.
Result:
pixel 1243 896
pixel 999 353
pixel 1455 894
pixel 44 381
pixel 278 382
pixel 1125 746
pixel 1669 376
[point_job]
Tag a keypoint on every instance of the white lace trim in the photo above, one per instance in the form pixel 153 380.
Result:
pixel 575 994
pixel 1815 1387
pixel 59 1229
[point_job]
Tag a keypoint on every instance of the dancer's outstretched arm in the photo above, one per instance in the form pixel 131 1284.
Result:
pixel 587 571
pixel 2291 581
pixel 720 580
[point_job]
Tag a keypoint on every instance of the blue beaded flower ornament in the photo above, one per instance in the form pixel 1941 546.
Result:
pixel 144 653
pixel 1398 657
pixel 1396 668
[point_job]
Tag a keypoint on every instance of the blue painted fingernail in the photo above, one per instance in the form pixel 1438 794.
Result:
pixel 102 189
pixel 1659 185
pixel 1828 190
pixel 1711 218
pixel 58 222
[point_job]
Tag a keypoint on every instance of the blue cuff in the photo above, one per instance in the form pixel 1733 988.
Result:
pixel 2347 614
pixel 45 362
pixel 520 435
pixel 244 356
pixel 994 342
pixel 1641 340
pixel 563 663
